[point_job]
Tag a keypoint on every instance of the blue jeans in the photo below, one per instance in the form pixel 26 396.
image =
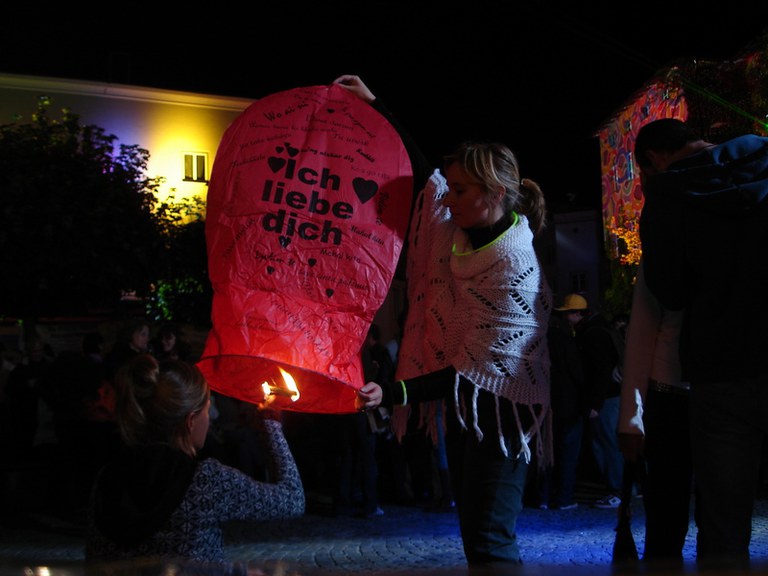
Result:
pixel 605 444
pixel 488 486
pixel 568 435
pixel 729 423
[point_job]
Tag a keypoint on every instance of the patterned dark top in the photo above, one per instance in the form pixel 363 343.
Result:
pixel 216 494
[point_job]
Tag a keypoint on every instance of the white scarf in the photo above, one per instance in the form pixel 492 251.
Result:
pixel 485 312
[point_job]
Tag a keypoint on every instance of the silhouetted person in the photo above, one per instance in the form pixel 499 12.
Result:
pixel 704 232
pixel 601 350
pixel 568 402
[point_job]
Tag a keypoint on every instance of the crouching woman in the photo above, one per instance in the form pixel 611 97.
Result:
pixel 158 499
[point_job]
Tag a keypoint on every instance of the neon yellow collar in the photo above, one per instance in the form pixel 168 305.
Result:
pixel 515 220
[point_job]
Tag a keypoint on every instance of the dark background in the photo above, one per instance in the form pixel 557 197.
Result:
pixel 540 76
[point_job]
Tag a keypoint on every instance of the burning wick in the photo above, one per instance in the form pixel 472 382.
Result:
pixel 275 391
pixel 290 391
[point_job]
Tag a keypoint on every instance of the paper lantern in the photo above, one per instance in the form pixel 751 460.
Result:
pixel 307 211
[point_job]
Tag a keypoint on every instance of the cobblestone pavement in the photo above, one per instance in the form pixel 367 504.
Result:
pixel 405 540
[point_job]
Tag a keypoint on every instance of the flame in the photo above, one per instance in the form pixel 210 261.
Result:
pixel 290 390
pixel 290 383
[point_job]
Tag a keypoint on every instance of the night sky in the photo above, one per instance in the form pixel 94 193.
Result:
pixel 540 76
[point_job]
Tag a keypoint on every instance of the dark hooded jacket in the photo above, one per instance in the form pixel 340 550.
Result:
pixel 704 231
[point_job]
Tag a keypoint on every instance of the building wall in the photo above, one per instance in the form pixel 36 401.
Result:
pixel 167 123
pixel 578 249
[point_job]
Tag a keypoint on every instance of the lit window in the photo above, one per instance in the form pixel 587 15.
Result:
pixel 195 166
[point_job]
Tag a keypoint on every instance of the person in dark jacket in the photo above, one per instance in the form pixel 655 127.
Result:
pixel 569 400
pixel 601 349
pixel 704 232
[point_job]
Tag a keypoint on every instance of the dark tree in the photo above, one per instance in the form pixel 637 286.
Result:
pixel 77 218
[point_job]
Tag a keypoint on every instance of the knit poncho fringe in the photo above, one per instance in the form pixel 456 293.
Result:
pixel 485 312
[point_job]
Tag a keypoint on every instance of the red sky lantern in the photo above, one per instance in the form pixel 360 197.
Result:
pixel 308 206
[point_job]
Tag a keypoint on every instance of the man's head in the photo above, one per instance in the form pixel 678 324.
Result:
pixel 660 143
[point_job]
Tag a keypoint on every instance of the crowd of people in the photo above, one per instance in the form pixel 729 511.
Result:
pixel 495 385
pixel 59 408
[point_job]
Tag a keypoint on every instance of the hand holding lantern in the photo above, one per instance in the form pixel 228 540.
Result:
pixel 369 396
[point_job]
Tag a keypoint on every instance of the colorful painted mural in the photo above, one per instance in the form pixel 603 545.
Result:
pixel 719 99
pixel 622 196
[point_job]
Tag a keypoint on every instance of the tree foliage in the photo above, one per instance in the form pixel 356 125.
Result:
pixel 182 292
pixel 78 222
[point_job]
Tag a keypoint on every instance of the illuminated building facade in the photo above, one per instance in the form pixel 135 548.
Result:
pixel 181 130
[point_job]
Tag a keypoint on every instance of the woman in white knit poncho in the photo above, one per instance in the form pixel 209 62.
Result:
pixel 475 334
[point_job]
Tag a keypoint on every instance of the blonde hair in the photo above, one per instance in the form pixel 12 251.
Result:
pixel 153 401
pixel 494 164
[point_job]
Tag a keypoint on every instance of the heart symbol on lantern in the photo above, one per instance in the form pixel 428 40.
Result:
pixel 275 163
pixel 329 292
pixel 284 241
pixel 270 269
pixel 291 150
pixel 365 189
pixel 312 261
